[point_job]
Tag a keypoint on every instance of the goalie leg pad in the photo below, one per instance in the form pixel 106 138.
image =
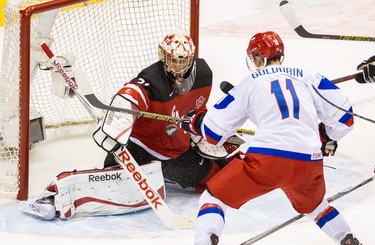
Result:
pixel 103 192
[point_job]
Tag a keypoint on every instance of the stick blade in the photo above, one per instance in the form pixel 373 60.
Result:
pixel 226 86
pixel 182 221
pixel 289 15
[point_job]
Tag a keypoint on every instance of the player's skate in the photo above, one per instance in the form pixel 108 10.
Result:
pixel 43 208
pixel 350 240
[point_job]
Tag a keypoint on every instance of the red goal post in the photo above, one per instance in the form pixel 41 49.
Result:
pixel 112 40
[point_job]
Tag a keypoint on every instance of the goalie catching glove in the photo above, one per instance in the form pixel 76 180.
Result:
pixel 217 152
pixel 205 149
pixel 368 68
pixel 115 128
pixel 329 146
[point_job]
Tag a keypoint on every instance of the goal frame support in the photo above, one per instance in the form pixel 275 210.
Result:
pixel 25 31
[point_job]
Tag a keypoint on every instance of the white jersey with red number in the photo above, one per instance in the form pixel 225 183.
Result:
pixel 283 104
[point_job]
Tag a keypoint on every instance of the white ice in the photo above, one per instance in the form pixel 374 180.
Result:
pixel 226 27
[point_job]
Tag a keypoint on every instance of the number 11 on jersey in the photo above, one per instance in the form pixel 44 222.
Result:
pixel 281 101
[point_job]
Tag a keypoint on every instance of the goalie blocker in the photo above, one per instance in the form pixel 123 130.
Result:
pixel 96 192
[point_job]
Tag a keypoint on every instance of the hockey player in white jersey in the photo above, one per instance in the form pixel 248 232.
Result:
pixel 295 129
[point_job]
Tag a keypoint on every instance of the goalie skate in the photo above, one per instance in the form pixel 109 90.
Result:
pixel 42 208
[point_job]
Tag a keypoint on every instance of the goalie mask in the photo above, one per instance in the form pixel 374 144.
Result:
pixel 176 52
pixel 263 46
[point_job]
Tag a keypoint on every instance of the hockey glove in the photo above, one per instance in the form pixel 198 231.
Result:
pixel 116 127
pixel 368 68
pixel 217 152
pixel 104 141
pixel 329 146
pixel 194 124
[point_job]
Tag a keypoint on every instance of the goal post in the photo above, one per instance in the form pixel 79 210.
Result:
pixel 112 41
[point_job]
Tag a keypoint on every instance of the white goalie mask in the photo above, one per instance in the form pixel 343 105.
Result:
pixel 176 52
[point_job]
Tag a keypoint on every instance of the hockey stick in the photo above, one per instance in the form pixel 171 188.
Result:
pixel 91 97
pixel 342 109
pixel 290 16
pixel 345 78
pixel 135 172
pixel 127 162
pixel 71 84
pixel 225 86
pixel 299 216
pixel 94 101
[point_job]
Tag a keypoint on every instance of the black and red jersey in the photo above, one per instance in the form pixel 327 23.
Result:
pixel 152 91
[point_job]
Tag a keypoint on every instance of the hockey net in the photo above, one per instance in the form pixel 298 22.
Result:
pixel 112 40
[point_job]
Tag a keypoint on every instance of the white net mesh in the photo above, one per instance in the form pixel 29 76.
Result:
pixel 112 40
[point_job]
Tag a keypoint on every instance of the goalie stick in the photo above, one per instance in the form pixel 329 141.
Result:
pixel 299 216
pixel 85 87
pixel 290 16
pixel 124 158
pixel 71 83
pixel 91 97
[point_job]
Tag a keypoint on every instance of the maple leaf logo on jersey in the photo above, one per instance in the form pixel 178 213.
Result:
pixel 199 102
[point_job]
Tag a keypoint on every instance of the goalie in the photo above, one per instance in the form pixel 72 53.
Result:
pixel 174 85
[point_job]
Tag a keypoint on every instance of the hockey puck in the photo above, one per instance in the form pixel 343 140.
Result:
pixel 171 129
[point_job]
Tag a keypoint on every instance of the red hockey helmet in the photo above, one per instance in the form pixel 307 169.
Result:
pixel 267 45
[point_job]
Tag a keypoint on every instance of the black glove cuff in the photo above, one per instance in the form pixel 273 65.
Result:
pixel 369 72
pixel 359 78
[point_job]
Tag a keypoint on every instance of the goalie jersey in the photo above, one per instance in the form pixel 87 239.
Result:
pixel 283 103
pixel 152 91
